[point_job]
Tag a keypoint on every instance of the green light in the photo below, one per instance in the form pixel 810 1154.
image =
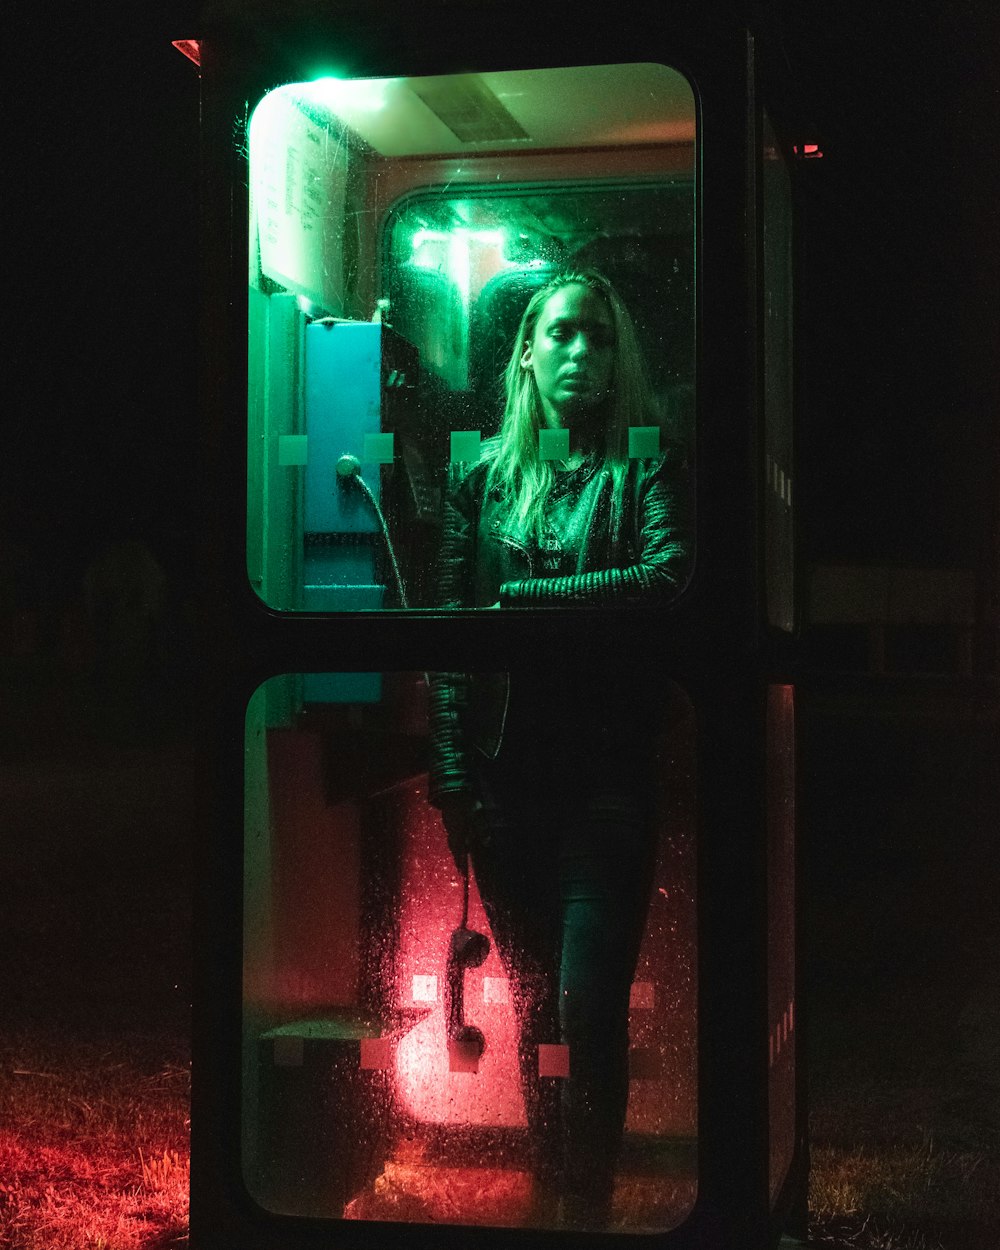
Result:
pixel 450 249
pixel 347 96
pixel 421 237
pixel 458 264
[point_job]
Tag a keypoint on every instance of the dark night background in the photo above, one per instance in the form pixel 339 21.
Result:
pixel 897 341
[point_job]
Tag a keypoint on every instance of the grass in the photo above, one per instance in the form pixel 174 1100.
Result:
pixel 94 1154
pixel 903 942
pixel 93 1143
pixel 94 1041
pixel 905 1152
pixel 900 1197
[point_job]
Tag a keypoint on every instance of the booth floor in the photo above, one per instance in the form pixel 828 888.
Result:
pixel 418 1192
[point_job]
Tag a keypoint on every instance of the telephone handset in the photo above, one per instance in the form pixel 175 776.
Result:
pixel 466 949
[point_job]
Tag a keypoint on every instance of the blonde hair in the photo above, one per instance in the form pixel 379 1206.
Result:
pixel 516 467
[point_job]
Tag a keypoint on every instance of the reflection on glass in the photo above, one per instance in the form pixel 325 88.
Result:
pixel 395 1068
pixel 777 326
pixel 399 228
pixel 781 930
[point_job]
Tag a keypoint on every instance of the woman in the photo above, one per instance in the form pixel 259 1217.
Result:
pixel 546 783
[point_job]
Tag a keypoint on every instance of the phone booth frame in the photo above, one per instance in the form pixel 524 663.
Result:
pixel 721 646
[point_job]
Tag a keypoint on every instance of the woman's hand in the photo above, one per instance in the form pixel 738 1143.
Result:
pixel 465 825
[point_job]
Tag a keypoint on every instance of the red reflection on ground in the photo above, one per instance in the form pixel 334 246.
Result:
pixel 98 1190
pixel 422 1193
pixel 416 1193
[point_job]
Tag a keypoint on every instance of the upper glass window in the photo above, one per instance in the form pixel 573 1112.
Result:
pixel 471 340
pixel 779 527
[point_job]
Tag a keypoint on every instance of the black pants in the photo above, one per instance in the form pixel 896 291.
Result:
pixel 565 873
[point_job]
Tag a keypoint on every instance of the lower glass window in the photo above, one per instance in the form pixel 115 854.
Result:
pixel 514 1046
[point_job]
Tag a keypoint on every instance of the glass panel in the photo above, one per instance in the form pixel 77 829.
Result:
pixel 781 928
pixel 405 1054
pixel 399 230
pixel 779 527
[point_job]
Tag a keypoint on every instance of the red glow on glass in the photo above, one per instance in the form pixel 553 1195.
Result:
pixel 428 1087
pixel 808 151
pixel 314 922
pixel 191 48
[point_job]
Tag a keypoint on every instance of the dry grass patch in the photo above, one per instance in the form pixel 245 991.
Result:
pixel 902 1169
pixel 904 1197
pixel 93 1146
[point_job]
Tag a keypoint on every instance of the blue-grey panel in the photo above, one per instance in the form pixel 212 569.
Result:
pixel 343 404
pixel 350 598
pixel 342 687
pixel 340 566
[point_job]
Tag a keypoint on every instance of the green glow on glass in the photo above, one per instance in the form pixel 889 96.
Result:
pixel 293 449
pixel 421 239
pixel 450 252
pixel 465 446
pixel 378 448
pixel 458 265
pixel 553 444
pixel 491 238
pixel 643 441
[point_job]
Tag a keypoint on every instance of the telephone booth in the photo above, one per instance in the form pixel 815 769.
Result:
pixel 386 189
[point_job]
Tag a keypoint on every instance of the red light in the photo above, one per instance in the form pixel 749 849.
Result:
pixel 808 151
pixel 191 49
pixel 430 1086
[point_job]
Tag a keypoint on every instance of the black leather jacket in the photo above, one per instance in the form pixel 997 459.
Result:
pixel 581 561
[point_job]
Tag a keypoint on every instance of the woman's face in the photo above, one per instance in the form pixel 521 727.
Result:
pixel 571 354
